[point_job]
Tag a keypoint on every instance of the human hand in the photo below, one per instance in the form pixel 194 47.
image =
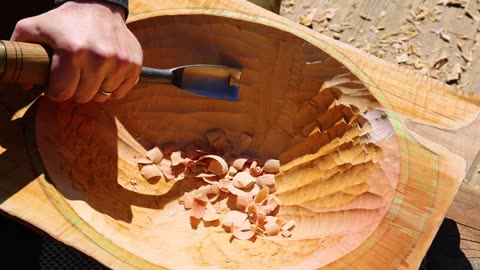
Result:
pixel 93 50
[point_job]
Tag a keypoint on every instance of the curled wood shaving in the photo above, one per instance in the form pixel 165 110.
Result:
pixel 214 135
pixel 198 208
pixel 243 200
pixel 442 58
pixel 403 58
pixel 238 163
pixel 254 190
pixel 249 183
pixel 271 166
pixel 453 3
pixel 286 234
pixel 243 232
pixel 256 171
pixel 308 19
pixel 244 142
pixel 234 190
pixel 232 171
pixel 155 155
pixel 288 226
pixel 365 17
pixel 243 180
pixel 216 164
pixel 234 218
pixel 445 36
pixel 210 213
pixel 150 171
pixel 261 196
pixel 223 184
pixel 323 16
pixel 176 158
pixel 271 226
pixel 267 180
pixel 187 200
pixel 453 74
pixel 272 203
pixel 144 161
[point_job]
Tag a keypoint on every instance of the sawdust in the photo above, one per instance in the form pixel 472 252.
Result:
pixel 396 35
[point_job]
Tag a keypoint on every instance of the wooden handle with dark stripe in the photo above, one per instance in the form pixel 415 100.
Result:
pixel 24 63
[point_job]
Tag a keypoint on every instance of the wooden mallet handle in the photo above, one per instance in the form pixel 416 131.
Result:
pixel 23 63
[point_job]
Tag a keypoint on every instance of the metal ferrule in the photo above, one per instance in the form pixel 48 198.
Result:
pixel 3 58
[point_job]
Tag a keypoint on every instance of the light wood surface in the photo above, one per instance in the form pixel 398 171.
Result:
pixel 415 25
pixel 23 63
pixel 419 166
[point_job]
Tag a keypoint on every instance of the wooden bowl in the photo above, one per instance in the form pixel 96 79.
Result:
pixel 365 192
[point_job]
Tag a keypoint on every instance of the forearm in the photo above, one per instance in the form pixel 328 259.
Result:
pixel 122 3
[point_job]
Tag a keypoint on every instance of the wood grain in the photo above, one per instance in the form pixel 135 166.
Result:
pixel 397 19
pixel 24 63
pixel 430 172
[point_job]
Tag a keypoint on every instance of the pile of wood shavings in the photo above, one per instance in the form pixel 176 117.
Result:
pixel 225 172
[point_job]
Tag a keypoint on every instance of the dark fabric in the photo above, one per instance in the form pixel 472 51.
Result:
pixel 37 251
pixel 20 248
pixel 123 3
pixel 55 255
pixel 17 10
pixel 445 252
pixel 14 11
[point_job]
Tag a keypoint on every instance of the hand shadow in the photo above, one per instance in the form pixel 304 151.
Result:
pixel 15 168
pixel 78 151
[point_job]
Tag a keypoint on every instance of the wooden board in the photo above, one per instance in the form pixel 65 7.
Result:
pixel 27 195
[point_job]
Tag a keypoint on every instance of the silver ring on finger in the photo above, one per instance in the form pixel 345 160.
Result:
pixel 107 94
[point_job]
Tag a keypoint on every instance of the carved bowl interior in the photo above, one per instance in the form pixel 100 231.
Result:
pixel 338 151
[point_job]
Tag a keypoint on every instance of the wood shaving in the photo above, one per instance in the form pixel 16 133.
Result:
pixel 470 14
pixel 467 55
pixel 151 172
pixel 244 142
pixel 214 135
pixel 144 161
pixel 453 74
pixel 326 15
pixel 453 3
pixel 198 208
pixel 247 182
pixel 216 164
pixel 308 19
pixel 403 58
pixel 337 28
pixel 239 163
pixel 155 155
pixel 365 17
pixel 243 180
pixel 272 166
pixel 442 58
pixel 176 158
pixel 445 36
